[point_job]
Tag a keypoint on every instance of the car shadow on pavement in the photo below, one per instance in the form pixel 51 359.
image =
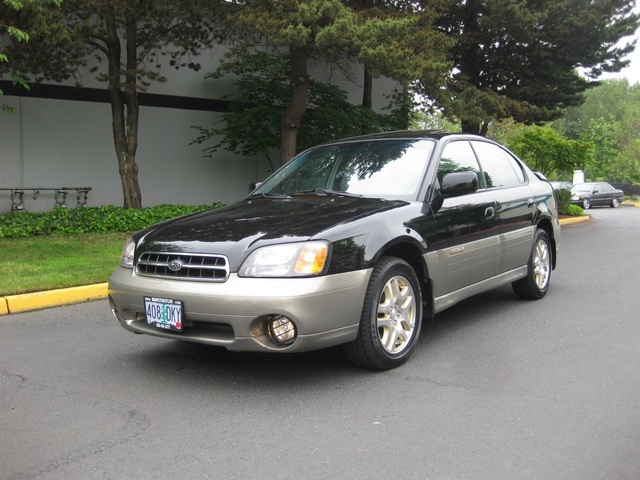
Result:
pixel 175 358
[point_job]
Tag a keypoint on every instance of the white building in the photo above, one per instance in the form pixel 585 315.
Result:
pixel 61 136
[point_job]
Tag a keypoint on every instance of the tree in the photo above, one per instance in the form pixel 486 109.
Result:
pixel 610 119
pixel 522 59
pixel 129 36
pixel 544 150
pixel 330 29
pixel 397 39
pixel 250 126
pixel 11 32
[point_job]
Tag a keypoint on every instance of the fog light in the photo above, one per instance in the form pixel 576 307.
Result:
pixel 281 330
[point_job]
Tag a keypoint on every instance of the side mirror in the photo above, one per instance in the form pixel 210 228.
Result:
pixel 459 183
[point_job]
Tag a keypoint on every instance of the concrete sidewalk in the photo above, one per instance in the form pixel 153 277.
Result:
pixel 67 296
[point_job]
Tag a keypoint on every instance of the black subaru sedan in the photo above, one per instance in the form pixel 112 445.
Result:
pixel 357 242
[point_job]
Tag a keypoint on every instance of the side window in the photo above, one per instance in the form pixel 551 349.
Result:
pixel 500 169
pixel 459 157
pixel 604 187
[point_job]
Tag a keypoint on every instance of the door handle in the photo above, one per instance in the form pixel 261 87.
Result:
pixel 531 202
pixel 490 212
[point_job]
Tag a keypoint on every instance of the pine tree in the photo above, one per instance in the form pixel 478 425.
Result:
pixel 528 60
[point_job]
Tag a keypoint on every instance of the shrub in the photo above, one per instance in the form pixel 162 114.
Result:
pixel 573 210
pixel 563 197
pixel 90 220
pixel 565 207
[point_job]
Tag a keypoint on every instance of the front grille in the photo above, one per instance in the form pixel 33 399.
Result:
pixel 184 266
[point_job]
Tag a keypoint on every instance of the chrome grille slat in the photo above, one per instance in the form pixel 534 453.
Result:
pixel 197 267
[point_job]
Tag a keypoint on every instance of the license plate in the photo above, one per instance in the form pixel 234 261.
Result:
pixel 164 313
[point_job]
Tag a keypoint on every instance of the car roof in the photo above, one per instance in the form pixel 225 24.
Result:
pixel 408 135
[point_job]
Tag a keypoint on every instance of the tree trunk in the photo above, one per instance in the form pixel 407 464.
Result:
pixel 367 90
pixel 469 126
pixel 294 112
pixel 125 129
pixel 485 128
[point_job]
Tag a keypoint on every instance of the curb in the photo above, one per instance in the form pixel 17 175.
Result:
pixel 569 221
pixel 67 296
pixel 54 298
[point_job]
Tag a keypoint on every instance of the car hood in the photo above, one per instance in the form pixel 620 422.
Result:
pixel 237 228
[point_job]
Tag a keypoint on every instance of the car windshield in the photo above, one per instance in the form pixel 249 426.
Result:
pixel 373 168
pixel 583 187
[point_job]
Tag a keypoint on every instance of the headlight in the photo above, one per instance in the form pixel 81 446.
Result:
pixel 126 260
pixel 287 260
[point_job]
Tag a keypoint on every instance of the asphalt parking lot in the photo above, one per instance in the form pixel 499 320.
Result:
pixel 498 388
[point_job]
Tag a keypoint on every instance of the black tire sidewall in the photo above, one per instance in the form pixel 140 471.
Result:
pixel 540 234
pixel 527 288
pixel 387 268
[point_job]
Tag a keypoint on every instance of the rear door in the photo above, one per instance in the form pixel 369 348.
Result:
pixel 607 193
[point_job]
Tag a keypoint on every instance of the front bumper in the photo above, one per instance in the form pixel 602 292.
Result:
pixel 326 310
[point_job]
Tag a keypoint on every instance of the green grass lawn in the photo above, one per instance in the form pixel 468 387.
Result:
pixel 57 261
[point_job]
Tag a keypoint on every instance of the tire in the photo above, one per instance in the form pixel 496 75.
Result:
pixel 586 203
pixel 535 285
pixel 615 202
pixel 391 317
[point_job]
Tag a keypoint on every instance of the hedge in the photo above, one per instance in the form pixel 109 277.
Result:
pixel 90 220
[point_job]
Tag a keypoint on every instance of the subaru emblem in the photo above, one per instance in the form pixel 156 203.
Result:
pixel 175 265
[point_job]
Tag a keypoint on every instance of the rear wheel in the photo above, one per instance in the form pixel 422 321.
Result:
pixel 586 203
pixel 536 283
pixel 615 202
pixel 391 317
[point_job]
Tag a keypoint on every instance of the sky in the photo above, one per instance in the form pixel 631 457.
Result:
pixel 632 72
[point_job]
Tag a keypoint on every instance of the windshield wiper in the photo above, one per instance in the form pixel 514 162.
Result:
pixel 268 195
pixel 323 192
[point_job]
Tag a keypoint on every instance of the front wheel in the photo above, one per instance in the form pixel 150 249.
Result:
pixel 391 317
pixel 536 283
pixel 615 202
pixel 586 203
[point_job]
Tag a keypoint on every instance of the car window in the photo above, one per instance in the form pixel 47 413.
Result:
pixel 582 187
pixel 459 157
pixel 500 169
pixel 606 187
pixel 383 169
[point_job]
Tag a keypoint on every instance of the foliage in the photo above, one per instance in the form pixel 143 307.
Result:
pixel 546 151
pixel 398 41
pixel 571 209
pixel 563 197
pixel 18 35
pixel 429 119
pixel 610 119
pixel 565 207
pixel 520 59
pixel 395 39
pixel 250 125
pixel 90 220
